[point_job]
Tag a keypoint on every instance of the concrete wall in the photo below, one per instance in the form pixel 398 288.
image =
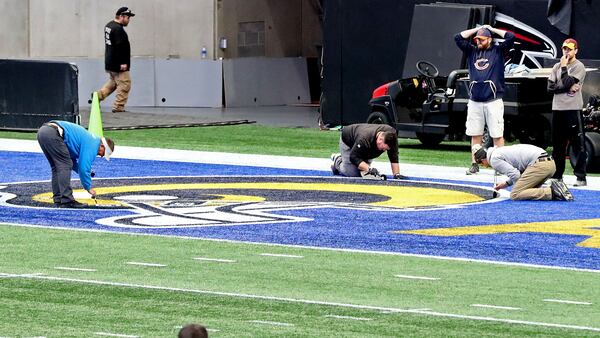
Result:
pixel 14 32
pixel 161 29
pixel 292 27
pixel 74 28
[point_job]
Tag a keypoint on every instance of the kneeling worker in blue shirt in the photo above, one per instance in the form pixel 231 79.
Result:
pixel 67 147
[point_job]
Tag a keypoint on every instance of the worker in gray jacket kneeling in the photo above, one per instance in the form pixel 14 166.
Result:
pixel 527 168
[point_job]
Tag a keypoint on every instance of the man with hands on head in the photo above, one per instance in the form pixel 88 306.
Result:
pixel 359 145
pixel 68 146
pixel 485 61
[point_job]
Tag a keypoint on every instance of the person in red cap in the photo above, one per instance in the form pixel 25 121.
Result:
pixel 565 82
pixel 486 72
pixel 117 59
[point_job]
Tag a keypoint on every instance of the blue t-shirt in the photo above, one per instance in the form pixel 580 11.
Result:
pixel 486 67
pixel 83 148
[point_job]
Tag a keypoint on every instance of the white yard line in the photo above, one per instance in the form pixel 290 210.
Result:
pixel 304 301
pixel 566 301
pixel 348 317
pixel 218 260
pixel 179 327
pixel 270 323
pixel 416 277
pixel 374 252
pixel 107 334
pixel 280 255
pixel 156 265
pixel 74 269
pixel 510 308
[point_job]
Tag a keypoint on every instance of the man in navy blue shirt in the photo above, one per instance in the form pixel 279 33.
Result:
pixel 68 146
pixel 486 87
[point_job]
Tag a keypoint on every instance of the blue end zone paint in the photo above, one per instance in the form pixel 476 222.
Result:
pixel 339 228
pixel 21 167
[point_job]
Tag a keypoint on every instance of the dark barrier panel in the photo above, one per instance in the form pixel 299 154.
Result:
pixel 366 42
pixel 331 84
pixel 34 92
pixel 364 47
pixel 445 55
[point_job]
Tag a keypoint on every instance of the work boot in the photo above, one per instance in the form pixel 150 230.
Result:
pixel 474 169
pixel 334 160
pixel 72 205
pixel 560 192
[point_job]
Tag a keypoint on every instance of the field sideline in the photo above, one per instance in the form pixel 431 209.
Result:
pixel 284 279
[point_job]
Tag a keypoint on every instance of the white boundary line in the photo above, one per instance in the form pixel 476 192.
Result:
pixel 267 322
pixel 217 260
pixel 273 161
pixel 374 252
pixel 74 269
pixel 510 308
pixel 155 265
pixel 303 301
pixel 566 301
pixel 280 255
pixel 416 277
pixel 348 317
pixel 107 334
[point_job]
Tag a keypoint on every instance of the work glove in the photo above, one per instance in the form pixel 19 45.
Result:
pixel 373 171
pixel 373 174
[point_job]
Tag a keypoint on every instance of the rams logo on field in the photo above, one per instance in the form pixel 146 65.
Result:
pixel 165 202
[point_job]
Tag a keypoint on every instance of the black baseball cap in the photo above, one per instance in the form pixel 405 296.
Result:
pixel 125 11
pixel 479 153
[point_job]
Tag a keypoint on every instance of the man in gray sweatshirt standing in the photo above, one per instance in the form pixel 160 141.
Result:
pixel 565 82
pixel 527 168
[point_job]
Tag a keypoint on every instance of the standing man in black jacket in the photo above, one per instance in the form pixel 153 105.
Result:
pixel 117 59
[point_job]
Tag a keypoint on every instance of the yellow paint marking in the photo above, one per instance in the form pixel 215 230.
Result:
pixel 582 227
pixel 397 196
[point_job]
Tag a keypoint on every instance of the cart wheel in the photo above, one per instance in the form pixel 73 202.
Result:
pixel 430 140
pixel 378 117
pixel 592 147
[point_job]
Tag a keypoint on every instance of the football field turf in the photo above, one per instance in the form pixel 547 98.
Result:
pixel 269 249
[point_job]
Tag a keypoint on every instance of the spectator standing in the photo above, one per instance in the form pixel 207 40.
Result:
pixel 565 82
pixel 117 60
pixel 486 87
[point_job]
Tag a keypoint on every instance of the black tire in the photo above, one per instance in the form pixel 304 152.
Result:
pixel 592 146
pixel 378 117
pixel 430 140
pixel 486 140
pixel 536 132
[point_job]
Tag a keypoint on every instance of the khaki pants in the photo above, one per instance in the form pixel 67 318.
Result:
pixel 528 186
pixel 121 81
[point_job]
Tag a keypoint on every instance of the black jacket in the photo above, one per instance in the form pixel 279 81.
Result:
pixel 118 50
pixel 362 138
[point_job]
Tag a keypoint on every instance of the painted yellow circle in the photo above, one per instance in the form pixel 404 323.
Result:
pixel 396 196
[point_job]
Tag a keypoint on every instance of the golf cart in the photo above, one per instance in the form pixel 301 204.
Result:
pixel 422 107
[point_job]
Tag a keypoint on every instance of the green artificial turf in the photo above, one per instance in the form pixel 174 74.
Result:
pixel 228 296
